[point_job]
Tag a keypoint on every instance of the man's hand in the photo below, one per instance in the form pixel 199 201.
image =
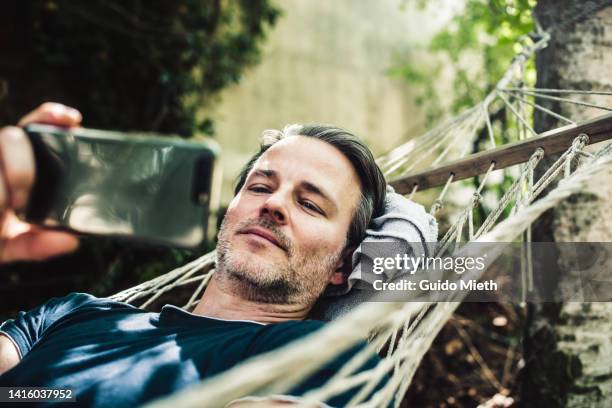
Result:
pixel 19 240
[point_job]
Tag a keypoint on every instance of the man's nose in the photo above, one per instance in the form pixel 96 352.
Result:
pixel 275 207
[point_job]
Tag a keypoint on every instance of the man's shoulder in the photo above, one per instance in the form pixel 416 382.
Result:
pixel 78 300
pixel 73 305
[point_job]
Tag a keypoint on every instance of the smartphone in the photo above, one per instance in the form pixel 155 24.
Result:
pixel 146 187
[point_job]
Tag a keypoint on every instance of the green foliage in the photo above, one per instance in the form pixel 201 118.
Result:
pixel 422 76
pixel 479 42
pixel 128 64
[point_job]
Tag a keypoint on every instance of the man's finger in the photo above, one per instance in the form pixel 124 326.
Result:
pixel 17 164
pixel 54 114
pixel 36 245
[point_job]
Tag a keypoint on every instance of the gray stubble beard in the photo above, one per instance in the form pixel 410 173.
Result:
pixel 294 283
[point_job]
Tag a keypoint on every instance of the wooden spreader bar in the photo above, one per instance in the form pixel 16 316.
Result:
pixel 553 141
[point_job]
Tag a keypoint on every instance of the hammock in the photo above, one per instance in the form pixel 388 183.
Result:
pixel 409 328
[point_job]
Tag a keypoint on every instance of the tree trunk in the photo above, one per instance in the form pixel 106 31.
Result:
pixel 568 346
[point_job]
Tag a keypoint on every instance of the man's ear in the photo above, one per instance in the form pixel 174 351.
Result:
pixel 343 267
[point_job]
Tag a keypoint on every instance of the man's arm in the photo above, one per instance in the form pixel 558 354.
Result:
pixel 9 356
pixel 19 240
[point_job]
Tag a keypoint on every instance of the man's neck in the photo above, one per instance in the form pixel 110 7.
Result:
pixel 223 304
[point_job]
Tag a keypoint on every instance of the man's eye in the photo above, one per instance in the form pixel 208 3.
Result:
pixel 259 189
pixel 310 206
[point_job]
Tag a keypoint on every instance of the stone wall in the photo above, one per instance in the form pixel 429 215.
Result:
pixel 327 62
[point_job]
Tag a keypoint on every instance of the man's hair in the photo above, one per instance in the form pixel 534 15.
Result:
pixel 373 185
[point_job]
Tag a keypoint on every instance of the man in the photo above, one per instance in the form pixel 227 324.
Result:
pixel 302 205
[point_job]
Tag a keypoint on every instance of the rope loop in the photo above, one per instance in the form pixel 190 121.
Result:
pixel 580 141
pixel 536 156
pixel 436 206
pixel 476 198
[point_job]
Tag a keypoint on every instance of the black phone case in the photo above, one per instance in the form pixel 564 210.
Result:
pixel 94 182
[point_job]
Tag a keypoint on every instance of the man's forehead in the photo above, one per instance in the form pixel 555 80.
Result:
pixel 312 160
pixel 309 156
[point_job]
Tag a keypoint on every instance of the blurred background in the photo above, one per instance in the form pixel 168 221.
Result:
pixel 221 69
pixel 228 69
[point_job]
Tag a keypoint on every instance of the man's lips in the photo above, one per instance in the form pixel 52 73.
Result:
pixel 262 233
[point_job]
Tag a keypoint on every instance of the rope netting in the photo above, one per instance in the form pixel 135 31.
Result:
pixel 407 329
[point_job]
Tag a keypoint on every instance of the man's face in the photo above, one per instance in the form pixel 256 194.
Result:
pixel 284 233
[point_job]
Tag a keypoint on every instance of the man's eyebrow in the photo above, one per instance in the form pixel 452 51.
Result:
pixel 308 186
pixel 265 173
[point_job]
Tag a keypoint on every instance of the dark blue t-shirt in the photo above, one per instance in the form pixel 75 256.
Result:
pixel 115 355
